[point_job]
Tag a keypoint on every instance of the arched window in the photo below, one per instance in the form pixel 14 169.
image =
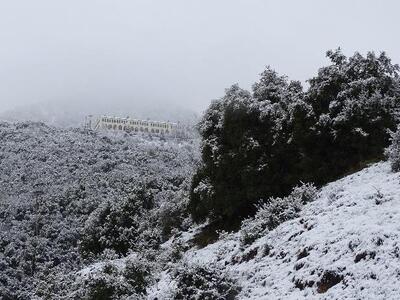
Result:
pixel 152 130
pixel 109 126
pixel 120 127
pixel 141 129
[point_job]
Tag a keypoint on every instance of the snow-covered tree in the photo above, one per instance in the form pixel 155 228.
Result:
pixel 393 151
pixel 248 148
pixel 356 101
pixel 261 144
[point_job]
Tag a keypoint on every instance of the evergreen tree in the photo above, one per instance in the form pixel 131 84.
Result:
pixel 261 144
pixel 247 149
pixel 355 102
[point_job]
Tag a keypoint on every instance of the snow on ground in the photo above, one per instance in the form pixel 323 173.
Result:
pixel 344 245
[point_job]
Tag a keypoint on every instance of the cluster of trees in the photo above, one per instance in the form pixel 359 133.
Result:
pixel 72 199
pixel 69 198
pixel 262 143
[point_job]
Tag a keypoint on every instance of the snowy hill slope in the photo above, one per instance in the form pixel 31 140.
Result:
pixel 344 245
pixel 53 184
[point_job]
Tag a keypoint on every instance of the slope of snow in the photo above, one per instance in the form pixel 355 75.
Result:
pixel 344 245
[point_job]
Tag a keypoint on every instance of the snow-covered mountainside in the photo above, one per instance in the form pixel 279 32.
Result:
pixel 62 190
pixel 86 215
pixel 344 245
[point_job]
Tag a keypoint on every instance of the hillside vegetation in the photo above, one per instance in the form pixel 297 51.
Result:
pixel 345 244
pixel 285 196
pixel 262 143
pixel 69 197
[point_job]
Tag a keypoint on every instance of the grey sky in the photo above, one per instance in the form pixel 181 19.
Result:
pixel 186 52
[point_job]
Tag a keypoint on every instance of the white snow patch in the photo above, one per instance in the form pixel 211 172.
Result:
pixel 351 229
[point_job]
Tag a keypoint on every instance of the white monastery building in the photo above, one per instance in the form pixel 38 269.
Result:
pixel 134 125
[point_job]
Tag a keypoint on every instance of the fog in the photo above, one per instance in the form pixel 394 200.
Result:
pixel 173 54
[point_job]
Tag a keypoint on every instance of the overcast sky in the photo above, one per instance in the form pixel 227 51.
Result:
pixel 186 52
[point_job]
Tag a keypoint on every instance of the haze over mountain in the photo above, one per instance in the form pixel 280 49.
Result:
pixel 73 113
pixel 180 52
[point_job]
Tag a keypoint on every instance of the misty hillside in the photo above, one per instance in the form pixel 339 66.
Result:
pixel 102 216
pixel 70 197
pixel 282 194
pixel 343 245
pixel 72 114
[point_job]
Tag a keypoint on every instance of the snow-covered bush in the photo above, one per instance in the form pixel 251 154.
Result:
pixel 172 215
pixel 116 225
pixel 393 151
pixel 138 274
pixel 105 284
pixel 126 278
pixel 113 281
pixel 204 282
pixel 276 211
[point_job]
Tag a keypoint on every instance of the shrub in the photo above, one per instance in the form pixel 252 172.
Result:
pixel 204 282
pixel 105 284
pixel 138 274
pixel 113 281
pixel 276 211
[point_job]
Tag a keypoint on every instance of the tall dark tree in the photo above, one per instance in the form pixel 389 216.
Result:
pixel 260 144
pixel 355 101
pixel 247 150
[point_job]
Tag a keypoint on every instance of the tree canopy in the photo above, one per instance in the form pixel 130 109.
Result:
pixel 262 143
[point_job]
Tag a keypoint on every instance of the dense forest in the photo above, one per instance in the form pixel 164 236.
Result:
pixel 71 197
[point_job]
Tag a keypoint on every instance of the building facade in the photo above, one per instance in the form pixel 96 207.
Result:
pixel 134 125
